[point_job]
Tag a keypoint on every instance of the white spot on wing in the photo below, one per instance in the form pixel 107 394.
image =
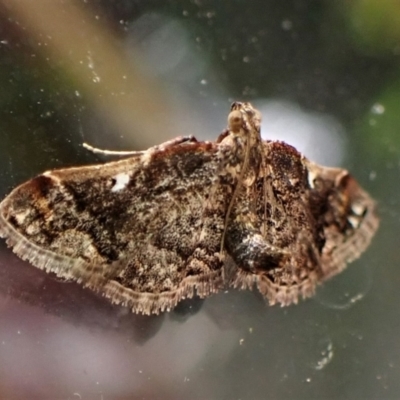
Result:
pixel 358 209
pixel 354 221
pixel 21 216
pixel 121 180
pixel 311 177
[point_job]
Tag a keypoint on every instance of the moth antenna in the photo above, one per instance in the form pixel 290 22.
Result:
pixel 96 150
pixel 236 191
pixel 264 224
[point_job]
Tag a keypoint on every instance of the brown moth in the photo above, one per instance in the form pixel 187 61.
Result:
pixel 161 225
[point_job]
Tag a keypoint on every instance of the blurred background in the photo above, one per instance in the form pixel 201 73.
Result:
pixel 129 74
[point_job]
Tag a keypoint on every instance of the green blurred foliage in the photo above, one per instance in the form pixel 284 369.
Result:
pixel 375 25
pixel 381 125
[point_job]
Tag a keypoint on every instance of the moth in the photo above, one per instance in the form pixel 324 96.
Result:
pixel 188 217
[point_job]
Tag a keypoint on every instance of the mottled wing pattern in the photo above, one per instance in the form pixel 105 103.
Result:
pixel 145 231
pixel 315 220
pixel 345 215
pixel 152 229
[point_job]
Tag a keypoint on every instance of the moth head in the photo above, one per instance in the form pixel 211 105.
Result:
pixel 244 116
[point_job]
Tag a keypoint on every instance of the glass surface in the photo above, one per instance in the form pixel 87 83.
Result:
pixel 126 75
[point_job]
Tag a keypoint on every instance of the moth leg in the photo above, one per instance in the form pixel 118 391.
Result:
pixel 170 143
pixel 249 249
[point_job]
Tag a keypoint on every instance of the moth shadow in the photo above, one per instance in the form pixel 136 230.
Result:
pixel 77 305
